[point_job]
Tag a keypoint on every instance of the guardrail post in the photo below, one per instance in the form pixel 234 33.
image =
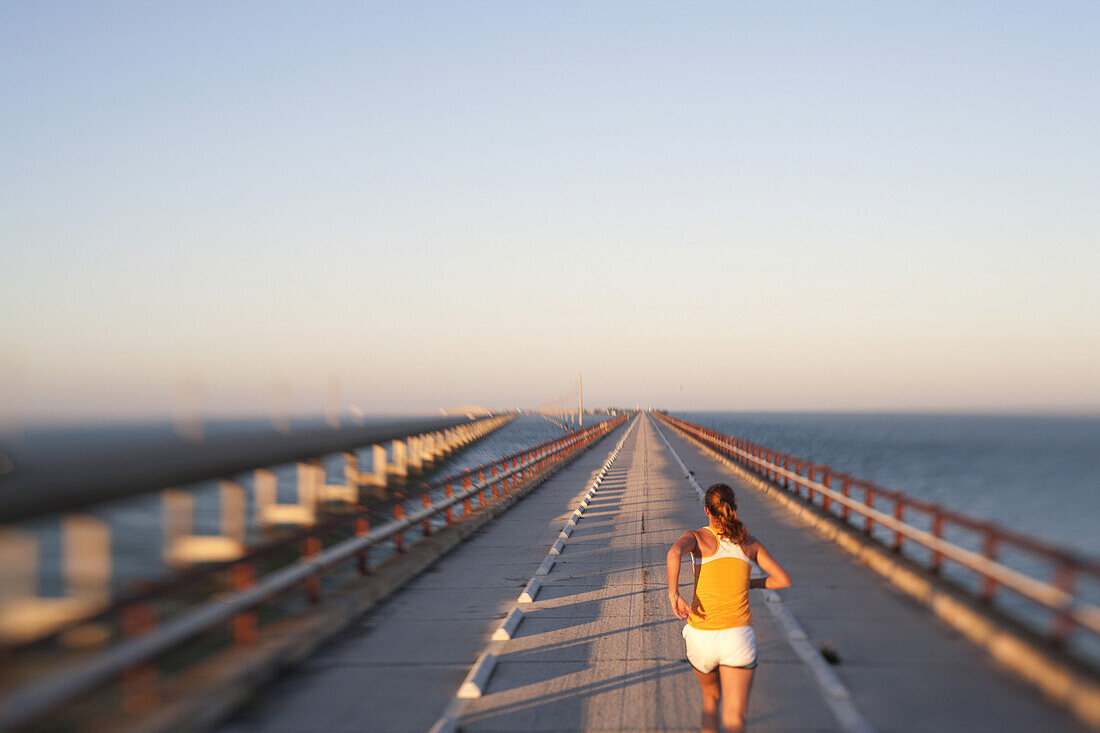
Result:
pixel 140 684
pixel 827 482
pixel 989 549
pixel 869 500
pixel 399 538
pixel 787 479
pixel 481 491
pixel 809 481
pixel 1065 578
pixel 245 629
pixel 846 489
pixel 937 532
pixel 426 502
pixel 899 514
pixel 362 528
pixel 311 547
pixel 467 484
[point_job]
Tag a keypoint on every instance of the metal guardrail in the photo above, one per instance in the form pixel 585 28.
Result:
pixel 796 475
pixel 55 486
pixel 86 539
pixel 237 608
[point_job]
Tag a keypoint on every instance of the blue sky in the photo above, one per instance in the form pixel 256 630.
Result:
pixel 728 205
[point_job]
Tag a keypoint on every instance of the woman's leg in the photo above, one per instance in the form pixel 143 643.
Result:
pixel 711 692
pixel 735 683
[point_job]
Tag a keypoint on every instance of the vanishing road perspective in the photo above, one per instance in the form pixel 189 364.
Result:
pixel 525 591
pixel 365 365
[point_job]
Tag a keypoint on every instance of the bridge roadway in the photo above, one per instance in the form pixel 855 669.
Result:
pixel 600 650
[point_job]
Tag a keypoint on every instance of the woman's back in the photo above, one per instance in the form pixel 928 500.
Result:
pixel 721 598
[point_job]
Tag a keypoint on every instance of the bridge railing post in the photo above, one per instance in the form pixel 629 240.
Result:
pixel 846 489
pixel 140 684
pixel 869 500
pixel 827 482
pixel 426 525
pixel 245 625
pixel 990 542
pixel 937 532
pixel 311 547
pixel 399 537
pixel 362 528
pixel 1065 577
pixel 899 514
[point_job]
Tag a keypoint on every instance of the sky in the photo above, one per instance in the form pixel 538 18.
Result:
pixel 402 206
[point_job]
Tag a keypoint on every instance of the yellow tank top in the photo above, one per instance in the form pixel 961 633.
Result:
pixel 721 588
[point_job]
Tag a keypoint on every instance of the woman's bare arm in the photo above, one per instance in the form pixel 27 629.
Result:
pixel 777 576
pixel 673 559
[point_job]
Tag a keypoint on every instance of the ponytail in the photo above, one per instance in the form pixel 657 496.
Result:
pixel 722 506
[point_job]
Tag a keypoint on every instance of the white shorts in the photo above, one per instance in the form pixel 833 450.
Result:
pixel 733 647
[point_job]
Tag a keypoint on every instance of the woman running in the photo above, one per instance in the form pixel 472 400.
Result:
pixel 721 645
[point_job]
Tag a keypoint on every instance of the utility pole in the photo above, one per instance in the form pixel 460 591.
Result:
pixel 580 400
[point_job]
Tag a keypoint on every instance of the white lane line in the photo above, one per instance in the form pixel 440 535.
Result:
pixel 833 691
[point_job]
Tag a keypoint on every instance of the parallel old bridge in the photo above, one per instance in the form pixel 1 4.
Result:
pixel 378 601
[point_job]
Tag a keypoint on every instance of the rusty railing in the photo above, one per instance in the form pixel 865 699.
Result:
pixel 864 505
